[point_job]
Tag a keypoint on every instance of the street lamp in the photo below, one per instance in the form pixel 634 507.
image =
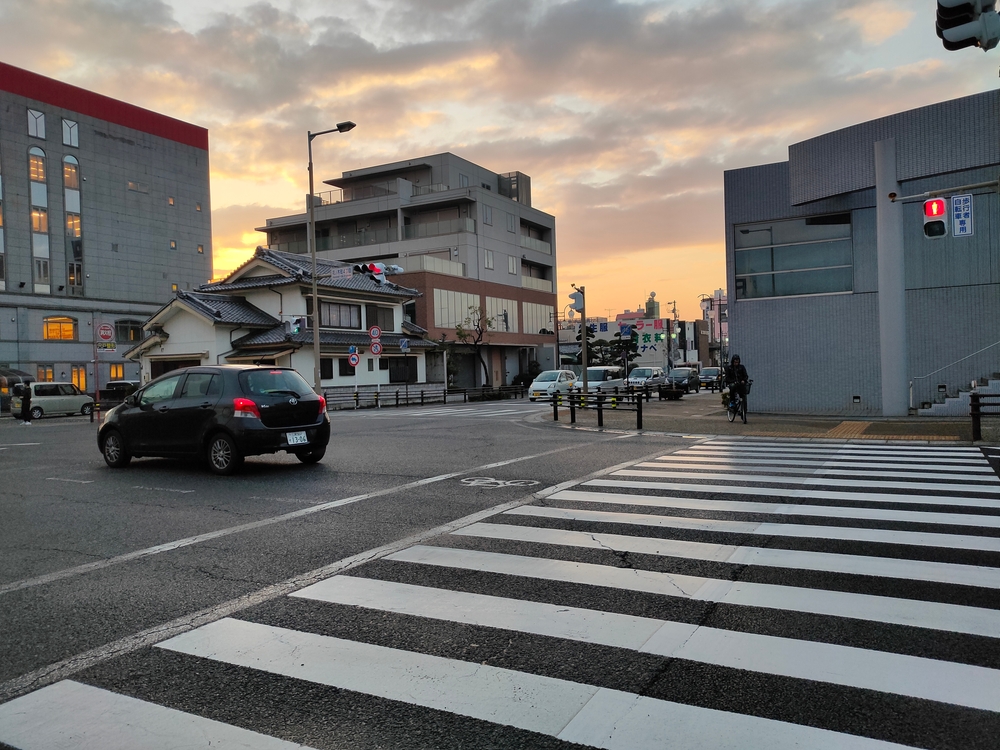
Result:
pixel 342 127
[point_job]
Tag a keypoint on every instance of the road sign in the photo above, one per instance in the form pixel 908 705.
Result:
pixel 404 345
pixel 352 349
pixel 375 333
pixel 961 216
pixel 105 332
pixel 354 360
pixel 376 348
pixel 626 331
pixel 107 346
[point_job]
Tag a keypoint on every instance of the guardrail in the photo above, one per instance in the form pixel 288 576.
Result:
pixel 618 399
pixel 394 396
pixel 982 405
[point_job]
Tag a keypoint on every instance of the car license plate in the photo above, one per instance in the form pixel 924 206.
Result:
pixel 296 438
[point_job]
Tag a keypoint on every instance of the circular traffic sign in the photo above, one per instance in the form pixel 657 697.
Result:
pixel 105 332
pixel 375 332
pixel 376 348
pixel 354 359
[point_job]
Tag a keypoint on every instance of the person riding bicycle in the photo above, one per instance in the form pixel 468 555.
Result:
pixel 736 379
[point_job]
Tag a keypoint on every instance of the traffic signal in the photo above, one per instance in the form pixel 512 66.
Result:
pixel 577 303
pixel 298 325
pixel 968 23
pixel 936 218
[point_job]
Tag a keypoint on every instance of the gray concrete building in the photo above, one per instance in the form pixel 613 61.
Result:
pixel 466 237
pixel 838 303
pixel 104 212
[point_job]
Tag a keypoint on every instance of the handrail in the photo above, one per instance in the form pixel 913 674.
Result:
pixel 940 369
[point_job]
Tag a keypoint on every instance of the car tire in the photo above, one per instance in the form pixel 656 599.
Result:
pixel 113 449
pixel 87 409
pixel 36 412
pixel 311 456
pixel 222 455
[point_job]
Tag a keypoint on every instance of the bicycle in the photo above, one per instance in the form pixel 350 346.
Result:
pixel 738 405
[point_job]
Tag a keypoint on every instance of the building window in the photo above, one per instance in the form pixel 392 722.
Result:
pixel 41 270
pixel 46 373
pixel 383 363
pixel 371 364
pixel 173 287
pixel 39 220
pixel 383 317
pixel 344 368
pixel 197 206
pixel 74 275
pixel 537 318
pixel 59 328
pixel 36 165
pixel 78 375
pixel 71 173
pixel 71 134
pixel 502 313
pixel 73 225
pixel 173 244
pixel 512 264
pixel 333 315
pixel 488 215
pixel 128 331
pixel 325 368
pixel 797 257
pixel 511 223
pixel 463 180
pixel 117 371
pixel 452 308
pixel 36 124
pixel 170 200
pixel 138 187
pixel 489 259
pixel 201 249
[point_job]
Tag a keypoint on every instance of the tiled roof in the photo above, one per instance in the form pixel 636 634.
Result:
pixel 227 309
pixel 277 335
pixel 301 267
pixel 413 328
pixel 251 282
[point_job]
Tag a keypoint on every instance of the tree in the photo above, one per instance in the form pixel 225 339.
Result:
pixel 579 337
pixel 475 331
pixel 625 350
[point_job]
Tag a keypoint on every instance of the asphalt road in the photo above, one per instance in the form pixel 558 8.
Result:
pixel 506 583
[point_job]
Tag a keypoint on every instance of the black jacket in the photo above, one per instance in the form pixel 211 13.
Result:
pixel 736 374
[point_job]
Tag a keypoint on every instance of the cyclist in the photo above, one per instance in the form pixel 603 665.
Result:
pixel 736 379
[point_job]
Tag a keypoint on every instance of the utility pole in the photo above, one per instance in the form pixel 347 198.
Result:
pixel 580 305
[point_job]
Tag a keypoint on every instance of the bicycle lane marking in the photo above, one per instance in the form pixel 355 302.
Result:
pixel 189 541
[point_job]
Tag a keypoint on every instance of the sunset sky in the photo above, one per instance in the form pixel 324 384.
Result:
pixel 624 114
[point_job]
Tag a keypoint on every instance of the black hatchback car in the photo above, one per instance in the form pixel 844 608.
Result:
pixel 219 413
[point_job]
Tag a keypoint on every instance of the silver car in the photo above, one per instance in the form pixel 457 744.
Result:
pixel 549 382
pixel 646 376
pixel 48 399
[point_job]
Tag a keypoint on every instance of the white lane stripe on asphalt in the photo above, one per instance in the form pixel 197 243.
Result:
pixel 931 615
pixel 833 452
pixel 858 497
pixel 768 557
pixel 536 703
pixel 791 530
pixel 72 716
pixel 916 484
pixel 942 465
pixel 913 475
pixel 781 509
pixel 915 677
pixel 841 446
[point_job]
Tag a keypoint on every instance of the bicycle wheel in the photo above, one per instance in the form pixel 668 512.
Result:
pixel 731 411
pixel 743 410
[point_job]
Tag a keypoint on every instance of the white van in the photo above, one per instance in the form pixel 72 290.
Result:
pixel 48 399
pixel 605 377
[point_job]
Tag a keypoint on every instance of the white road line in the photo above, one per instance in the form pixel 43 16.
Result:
pixel 162 489
pixel 916 484
pixel 782 509
pixel 72 481
pixel 791 530
pixel 536 703
pixel 912 475
pixel 839 445
pixel 883 567
pixel 868 451
pixel 17 445
pixel 938 464
pixel 931 615
pixel 898 674
pixel 860 497
pixel 73 716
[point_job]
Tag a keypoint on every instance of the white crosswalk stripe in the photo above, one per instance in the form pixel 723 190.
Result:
pixel 781 594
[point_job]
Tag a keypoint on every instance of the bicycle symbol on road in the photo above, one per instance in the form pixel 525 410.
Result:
pixel 492 484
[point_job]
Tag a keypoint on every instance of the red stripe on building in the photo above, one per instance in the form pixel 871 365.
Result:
pixel 58 94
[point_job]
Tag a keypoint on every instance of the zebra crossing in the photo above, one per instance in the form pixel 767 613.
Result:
pixel 731 594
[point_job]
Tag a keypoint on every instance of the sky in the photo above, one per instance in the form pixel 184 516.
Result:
pixel 624 114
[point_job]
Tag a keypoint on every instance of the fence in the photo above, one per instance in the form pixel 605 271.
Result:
pixel 419 394
pixel 982 405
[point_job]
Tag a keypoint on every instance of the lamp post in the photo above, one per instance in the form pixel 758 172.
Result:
pixel 342 127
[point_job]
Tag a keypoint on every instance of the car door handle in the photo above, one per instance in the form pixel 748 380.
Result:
pixel 207 405
pixel 162 408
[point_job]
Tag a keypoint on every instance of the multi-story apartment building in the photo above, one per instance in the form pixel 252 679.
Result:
pixel 104 210
pixel 467 238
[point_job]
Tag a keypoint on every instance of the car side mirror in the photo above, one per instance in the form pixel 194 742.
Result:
pixel 130 400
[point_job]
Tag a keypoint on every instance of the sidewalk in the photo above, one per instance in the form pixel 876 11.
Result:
pixel 702 414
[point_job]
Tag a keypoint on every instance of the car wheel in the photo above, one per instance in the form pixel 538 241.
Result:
pixel 36 412
pixel 113 448
pixel 223 456
pixel 311 456
pixel 87 409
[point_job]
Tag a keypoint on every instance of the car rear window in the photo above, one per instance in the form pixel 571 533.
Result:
pixel 264 382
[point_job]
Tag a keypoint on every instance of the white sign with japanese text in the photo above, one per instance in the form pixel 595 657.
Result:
pixel 961 216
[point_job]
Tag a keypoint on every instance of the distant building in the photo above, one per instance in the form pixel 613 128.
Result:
pixel 467 237
pixel 715 309
pixel 104 212
pixel 838 302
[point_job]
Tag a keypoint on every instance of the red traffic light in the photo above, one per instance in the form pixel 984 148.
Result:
pixel 935 207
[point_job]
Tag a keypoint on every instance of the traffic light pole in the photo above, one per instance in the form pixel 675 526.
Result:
pixel 583 336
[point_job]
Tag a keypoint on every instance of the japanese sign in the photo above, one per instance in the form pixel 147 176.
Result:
pixel 961 215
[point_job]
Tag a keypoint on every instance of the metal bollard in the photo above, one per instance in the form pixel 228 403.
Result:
pixel 356 399
pixel 465 395
pixel 975 412
pixel 600 410
pixel 638 414
pixel 572 408
pixel 421 398
pixel 397 398
pixel 376 399
pixel 646 388
pixel 555 407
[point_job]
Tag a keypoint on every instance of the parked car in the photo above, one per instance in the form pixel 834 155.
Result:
pixel 604 377
pixel 646 376
pixel 220 413
pixel 685 378
pixel 51 399
pixel 549 382
pixel 711 378
pixel 114 391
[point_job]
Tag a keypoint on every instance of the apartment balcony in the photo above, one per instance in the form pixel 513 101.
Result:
pixel 428 189
pixel 337 241
pixel 433 264
pixel 530 282
pixel 344 195
pixel 537 245
pixel 437 228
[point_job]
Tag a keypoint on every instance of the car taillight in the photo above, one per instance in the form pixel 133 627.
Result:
pixel 322 404
pixel 244 407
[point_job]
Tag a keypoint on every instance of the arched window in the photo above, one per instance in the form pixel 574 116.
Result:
pixel 71 173
pixel 36 164
pixel 59 328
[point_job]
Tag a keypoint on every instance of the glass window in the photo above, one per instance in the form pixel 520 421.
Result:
pixel 3 270
pixel 161 390
pixel 79 376
pixel 463 180
pixel 489 259
pixel 46 373
pixel 814 255
pixel 511 223
pixel 41 270
pixel 36 165
pixel 488 215
pixel 197 206
pixel 128 331
pixel 452 308
pixel 36 124
pixel 117 371
pixel 344 368
pixel 170 200
pixel 74 274
pixel 39 221
pixel 173 244
pixel 71 173
pixel 71 133
pixel 383 317
pixel 512 264
pixel 265 382
pixel 333 315
pixel 503 313
pixel 73 225
pixel 60 328
pixel 200 384
pixel 201 249
pixel 537 318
